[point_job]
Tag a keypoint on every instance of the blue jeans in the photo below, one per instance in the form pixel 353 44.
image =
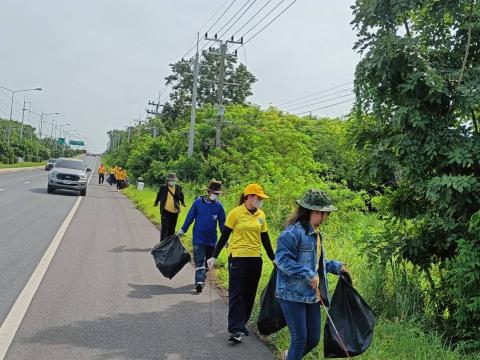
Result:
pixel 200 255
pixel 303 322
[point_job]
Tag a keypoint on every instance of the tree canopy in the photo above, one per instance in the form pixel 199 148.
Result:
pixel 237 84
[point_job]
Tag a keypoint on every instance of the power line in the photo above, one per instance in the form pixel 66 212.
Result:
pixel 315 98
pixel 314 94
pixel 268 24
pixel 253 17
pixel 248 8
pixel 326 107
pixel 201 28
pixel 233 17
pixel 319 102
pixel 216 22
pixel 263 18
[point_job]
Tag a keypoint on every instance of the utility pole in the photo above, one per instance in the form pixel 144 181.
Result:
pixel 40 133
pixel 157 106
pixel 191 134
pixel 155 112
pixel 23 115
pixel 53 125
pixel 221 77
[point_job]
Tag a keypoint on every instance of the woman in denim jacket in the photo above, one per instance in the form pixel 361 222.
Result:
pixel 302 272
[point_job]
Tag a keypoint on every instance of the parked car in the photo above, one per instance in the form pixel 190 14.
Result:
pixel 68 174
pixel 50 164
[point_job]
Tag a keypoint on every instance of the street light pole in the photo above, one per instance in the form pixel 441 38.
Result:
pixel 42 116
pixel 60 135
pixel 11 107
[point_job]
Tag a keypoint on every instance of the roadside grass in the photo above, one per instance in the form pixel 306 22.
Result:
pixel 402 340
pixel 20 165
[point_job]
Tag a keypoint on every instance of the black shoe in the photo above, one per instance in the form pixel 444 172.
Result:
pixel 199 287
pixel 246 332
pixel 235 338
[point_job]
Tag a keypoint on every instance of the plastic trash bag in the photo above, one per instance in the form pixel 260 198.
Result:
pixel 353 319
pixel 271 317
pixel 170 256
pixel 123 184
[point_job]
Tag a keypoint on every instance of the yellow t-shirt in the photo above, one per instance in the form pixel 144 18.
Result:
pixel 170 203
pixel 120 174
pixel 101 170
pixel 245 239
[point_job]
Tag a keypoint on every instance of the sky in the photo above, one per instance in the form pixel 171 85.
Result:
pixel 99 62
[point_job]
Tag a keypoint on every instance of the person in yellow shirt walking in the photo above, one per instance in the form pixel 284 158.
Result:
pixel 101 174
pixel 120 175
pixel 111 179
pixel 245 230
pixel 169 196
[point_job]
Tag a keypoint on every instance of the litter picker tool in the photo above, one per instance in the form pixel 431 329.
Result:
pixel 333 325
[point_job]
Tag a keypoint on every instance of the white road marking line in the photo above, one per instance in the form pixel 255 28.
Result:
pixel 94 167
pixel 14 318
pixel 27 182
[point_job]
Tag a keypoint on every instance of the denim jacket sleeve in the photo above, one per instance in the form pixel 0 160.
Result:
pixel 286 255
pixel 333 266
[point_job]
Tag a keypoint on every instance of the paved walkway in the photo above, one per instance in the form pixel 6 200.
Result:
pixel 103 298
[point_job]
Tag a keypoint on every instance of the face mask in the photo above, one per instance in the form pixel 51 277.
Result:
pixel 213 197
pixel 172 183
pixel 258 203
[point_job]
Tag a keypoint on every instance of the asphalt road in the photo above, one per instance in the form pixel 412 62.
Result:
pixel 29 219
pixel 103 298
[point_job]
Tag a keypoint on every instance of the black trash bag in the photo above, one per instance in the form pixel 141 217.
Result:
pixel 353 319
pixel 122 184
pixel 170 256
pixel 271 317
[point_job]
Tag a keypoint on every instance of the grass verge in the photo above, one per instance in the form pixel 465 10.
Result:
pixel 21 165
pixel 403 340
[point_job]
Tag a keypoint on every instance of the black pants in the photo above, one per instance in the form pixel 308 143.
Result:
pixel 243 277
pixel 168 224
pixel 101 178
pixel 111 179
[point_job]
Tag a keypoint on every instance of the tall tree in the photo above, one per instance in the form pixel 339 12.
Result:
pixel 237 87
pixel 418 79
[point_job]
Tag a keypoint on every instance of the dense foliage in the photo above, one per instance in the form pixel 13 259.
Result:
pixel 256 142
pixel 28 147
pixel 417 107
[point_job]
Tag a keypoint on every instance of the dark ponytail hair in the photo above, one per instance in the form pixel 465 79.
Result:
pixel 242 199
pixel 301 215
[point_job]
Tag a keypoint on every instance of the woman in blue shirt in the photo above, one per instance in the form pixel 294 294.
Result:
pixel 302 272
pixel 207 211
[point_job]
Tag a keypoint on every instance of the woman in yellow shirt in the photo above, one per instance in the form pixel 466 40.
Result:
pixel 170 197
pixel 120 175
pixel 245 230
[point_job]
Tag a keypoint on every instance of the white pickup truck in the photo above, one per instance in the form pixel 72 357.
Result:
pixel 68 174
